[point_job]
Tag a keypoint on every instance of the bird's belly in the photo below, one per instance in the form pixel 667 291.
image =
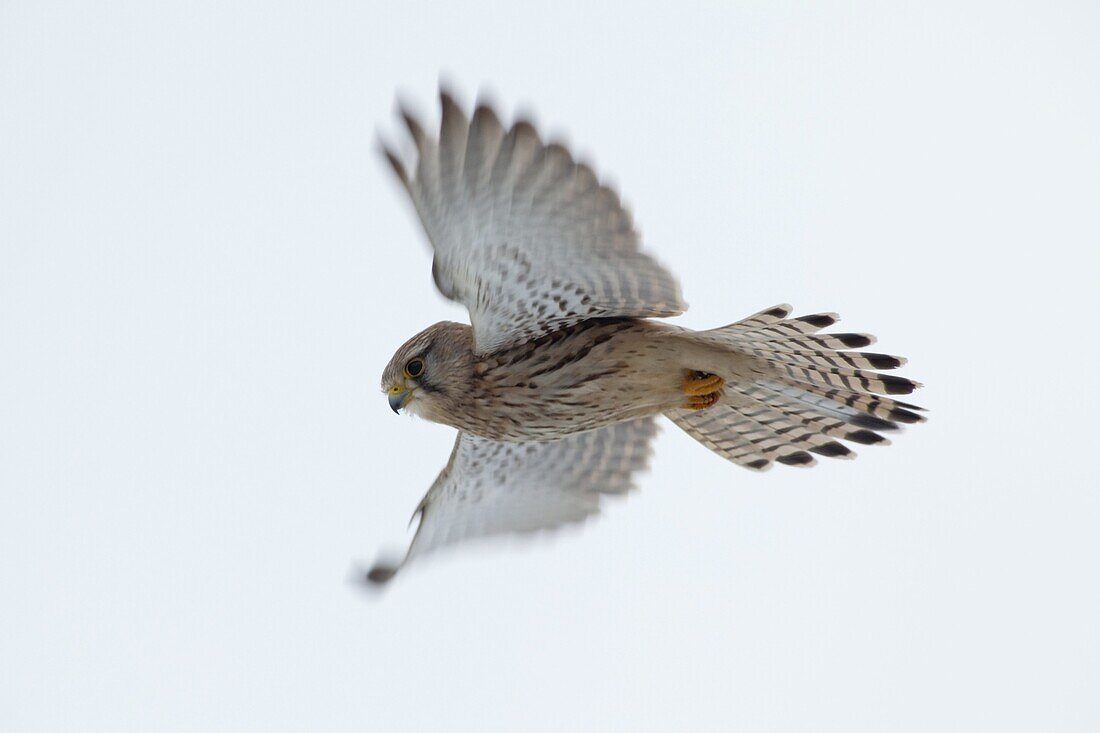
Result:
pixel 558 413
pixel 592 395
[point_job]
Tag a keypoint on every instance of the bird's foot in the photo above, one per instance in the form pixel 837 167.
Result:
pixel 702 390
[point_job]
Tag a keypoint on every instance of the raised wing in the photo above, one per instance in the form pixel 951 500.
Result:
pixel 526 238
pixel 491 487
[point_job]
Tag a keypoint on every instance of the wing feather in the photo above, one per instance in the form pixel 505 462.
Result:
pixel 524 236
pixel 491 487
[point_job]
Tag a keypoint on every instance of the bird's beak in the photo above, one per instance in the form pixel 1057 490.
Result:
pixel 398 399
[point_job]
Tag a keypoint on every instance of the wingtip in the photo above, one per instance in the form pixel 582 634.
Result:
pixel 485 112
pixel 523 127
pixel 393 159
pixel 411 119
pixel 381 574
pixel 374 579
pixel 447 96
pixel 447 102
pixel 447 87
pixel 486 101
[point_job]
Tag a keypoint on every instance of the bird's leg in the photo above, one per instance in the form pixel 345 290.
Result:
pixel 702 389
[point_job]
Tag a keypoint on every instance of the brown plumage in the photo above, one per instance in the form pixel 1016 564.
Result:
pixel 555 385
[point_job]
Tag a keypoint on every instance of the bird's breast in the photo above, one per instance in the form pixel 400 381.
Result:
pixel 574 382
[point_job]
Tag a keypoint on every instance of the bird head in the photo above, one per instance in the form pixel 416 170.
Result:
pixel 430 370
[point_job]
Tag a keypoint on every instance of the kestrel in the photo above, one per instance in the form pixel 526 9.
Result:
pixel 555 386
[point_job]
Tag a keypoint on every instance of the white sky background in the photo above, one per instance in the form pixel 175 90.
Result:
pixel 204 268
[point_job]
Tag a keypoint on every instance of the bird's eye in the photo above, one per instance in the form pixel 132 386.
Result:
pixel 414 368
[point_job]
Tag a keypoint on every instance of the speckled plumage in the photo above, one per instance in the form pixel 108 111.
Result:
pixel 555 384
pixel 582 377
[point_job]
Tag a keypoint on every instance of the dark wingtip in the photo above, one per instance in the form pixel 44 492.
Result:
pixel 559 150
pixel 447 100
pixel 395 162
pixel 523 127
pixel 484 113
pixel 758 465
pixel 415 130
pixel 381 573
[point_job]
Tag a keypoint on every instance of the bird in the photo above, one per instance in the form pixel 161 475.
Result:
pixel 556 384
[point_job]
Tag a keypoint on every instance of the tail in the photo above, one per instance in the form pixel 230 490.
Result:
pixel 800 393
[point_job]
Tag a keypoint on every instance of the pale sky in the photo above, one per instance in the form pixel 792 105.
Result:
pixel 204 268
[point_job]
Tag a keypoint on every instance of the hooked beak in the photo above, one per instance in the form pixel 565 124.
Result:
pixel 398 399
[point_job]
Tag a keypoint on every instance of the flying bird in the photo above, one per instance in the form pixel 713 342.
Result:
pixel 556 384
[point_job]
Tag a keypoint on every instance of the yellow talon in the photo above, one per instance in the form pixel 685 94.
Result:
pixel 701 402
pixel 702 390
pixel 701 383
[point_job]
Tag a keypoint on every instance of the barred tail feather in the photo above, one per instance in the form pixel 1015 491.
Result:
pixel 807 392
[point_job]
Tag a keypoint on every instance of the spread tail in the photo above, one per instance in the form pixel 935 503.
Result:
pixel 805 391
